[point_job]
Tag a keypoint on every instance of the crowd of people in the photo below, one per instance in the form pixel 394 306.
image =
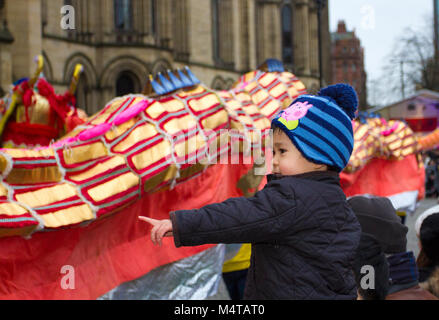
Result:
pixel 431 164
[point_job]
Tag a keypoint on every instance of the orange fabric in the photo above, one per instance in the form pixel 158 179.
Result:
pixel 384 178
pixel 109 251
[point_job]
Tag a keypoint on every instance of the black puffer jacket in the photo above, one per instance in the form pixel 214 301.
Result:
pixel 303 233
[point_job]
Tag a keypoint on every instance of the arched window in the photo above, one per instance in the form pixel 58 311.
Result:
pixel 287 34
pixel 123 15
pixel 126 83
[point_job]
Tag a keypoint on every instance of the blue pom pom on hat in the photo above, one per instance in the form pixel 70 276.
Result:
pixel 320 126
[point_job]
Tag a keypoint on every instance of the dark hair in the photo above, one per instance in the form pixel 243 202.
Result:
pixel 370 253
pixel 275 127
pixel 429 236
pixel 422 260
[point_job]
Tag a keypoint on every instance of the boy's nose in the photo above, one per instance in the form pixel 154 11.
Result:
pixel 275 162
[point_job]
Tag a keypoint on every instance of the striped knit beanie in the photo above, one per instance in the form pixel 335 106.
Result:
pixel 321 126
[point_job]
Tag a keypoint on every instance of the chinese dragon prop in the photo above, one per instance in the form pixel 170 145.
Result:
pixel 76 201
pixel 33 115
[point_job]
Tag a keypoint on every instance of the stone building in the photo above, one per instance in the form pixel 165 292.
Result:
pixel 121 42
pixel 348 61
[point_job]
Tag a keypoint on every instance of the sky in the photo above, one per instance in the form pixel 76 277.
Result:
pixel 378 23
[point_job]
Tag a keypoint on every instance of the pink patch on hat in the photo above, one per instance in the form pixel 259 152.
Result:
pixel 297 111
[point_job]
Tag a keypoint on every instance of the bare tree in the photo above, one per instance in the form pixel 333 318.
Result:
pixel 411 65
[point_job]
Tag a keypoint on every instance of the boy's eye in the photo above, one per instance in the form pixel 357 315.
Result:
pixel 282 150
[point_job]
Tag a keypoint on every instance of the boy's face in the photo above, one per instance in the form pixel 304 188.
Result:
pixel 287 159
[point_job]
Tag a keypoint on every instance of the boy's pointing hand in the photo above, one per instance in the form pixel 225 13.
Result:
pixel 160 229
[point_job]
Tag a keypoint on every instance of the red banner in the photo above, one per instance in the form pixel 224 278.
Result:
pixel 109 251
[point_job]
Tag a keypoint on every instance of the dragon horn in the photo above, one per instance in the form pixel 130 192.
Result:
pixel 40 65
pixel 75 78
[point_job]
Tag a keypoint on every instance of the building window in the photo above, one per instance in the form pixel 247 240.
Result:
pixel 345 67
pixel 153 17
pixel 126 83
pixel 222 34
pixel 287 35
pixel 354 67
pixel 123 15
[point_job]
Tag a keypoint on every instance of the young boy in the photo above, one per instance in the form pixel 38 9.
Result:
pixel 303 233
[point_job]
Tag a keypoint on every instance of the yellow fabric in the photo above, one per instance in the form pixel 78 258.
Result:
pixel 23 153
pixel 155 109
pixel 267 79
pixel 46 196
pixel 119 130
pixel 99 169
pixel 189 146
pixel 151 155
pixel 215 120
pixel 3 191
pixel 84 153
pixel 12 209
pixel 240 261
pixel 67 216
pixel 173 105
pixel 175 125
pixel 114 186
pixel 142 132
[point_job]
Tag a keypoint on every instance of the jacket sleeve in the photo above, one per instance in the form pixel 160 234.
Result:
pixel 261 218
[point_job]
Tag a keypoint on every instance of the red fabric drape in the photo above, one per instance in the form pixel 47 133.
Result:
pixel 384 178
pixel 110 251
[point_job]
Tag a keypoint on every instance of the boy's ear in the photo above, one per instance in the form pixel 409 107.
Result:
pixel 322 167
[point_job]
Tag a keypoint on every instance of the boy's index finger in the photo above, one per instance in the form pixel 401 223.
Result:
pixel 149 220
